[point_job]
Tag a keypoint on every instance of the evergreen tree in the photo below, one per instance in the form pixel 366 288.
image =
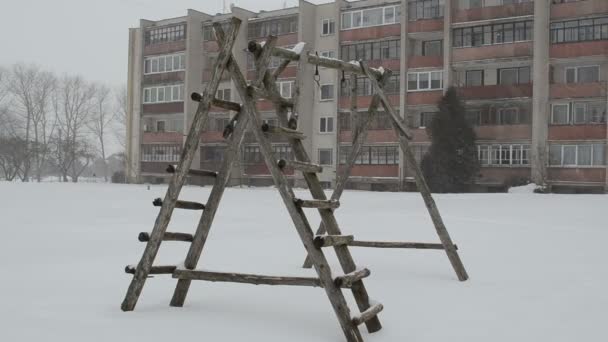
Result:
pixel 451 163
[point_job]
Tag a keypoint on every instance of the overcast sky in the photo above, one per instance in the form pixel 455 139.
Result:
pixel 88 37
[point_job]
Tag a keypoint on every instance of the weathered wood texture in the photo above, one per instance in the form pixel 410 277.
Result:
pixel 255 279
pixel 327 217
pixel 282 131
pixel 390 244
pixel 317 204
pixel 404 138
pixel 168 236
pixel 302 225
pixel 193 172
pixel 351 278
pixel 130 269
pixel 332 240
pixel 204 225
pixel 299 166
pixel 158 202
pixel 368 314
pixel 179 178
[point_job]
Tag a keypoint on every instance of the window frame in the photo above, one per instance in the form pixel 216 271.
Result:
pixel 333 92
pixel 429 75
pixel 331 27
pixel 324 124
pixel 331 156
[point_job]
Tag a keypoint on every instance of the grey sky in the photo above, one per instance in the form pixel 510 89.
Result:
pixel 90 37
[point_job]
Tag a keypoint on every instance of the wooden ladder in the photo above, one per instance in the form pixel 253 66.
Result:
pixel 248 116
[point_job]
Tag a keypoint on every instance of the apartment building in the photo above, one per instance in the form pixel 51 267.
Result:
pixel 533 76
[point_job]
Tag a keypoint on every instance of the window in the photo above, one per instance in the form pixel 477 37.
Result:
pixel 425 80
pixel 223 94
pixel 326 125
pixel 425 9
pixel 583 74
pixel 160 126
pixel 274 27
pixel 493 34
pixel 212 154
pixel 513 76
pixel 508 116
pixel 371 17
pixel 504 155
pixel 473 116
pixel 364 86
pixel 328 27
pixel 327 92
pixel 160 153
pixel 579 30
pixel 344 121
pixel 165 63
pixel 474 78
pixel 578 113
pixel 251 154
pixel 165 34
pixel 285 88
pixel 424 119
pixel 328 54
pixel 432 48
pixel 173 93
pixel 372 155
pixel 218 124
pixel 388 49
pixel 577 155
pixel 326 156
pixel 502 116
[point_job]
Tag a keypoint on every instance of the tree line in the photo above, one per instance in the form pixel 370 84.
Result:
pixel 54 124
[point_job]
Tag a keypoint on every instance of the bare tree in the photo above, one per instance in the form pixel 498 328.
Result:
pixel 120 123
pixel 73 104
pixel 101 119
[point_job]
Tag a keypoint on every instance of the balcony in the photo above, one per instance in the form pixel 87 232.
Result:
pixel 577 132
pixel 502 175
pixel 289 72
pixel 578 9
pixel 290 39
pixel 365 101
pixel 373 136
pixel 158 168
pixel 424 97
pixel 509 50
pixel 165 77
pixel 578 90
pixel 425 61
pixel 163 108
pixel 503 132
pixel 579 49
pixel 211 46
pixel 165 48
pixel 373 170
pixel 425 25
pixel 577 175
pixel 162 137
pixel 212 137
pixel 493 12
pixel 498 91
pixel 374 32
pixel 207 74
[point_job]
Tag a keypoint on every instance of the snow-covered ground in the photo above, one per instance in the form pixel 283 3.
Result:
pixel 538 267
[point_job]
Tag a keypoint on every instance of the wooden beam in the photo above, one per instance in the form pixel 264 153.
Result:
pixel 181 204
pixel 255 279
pixel 168 236
pixel 317 204
pixel 130 269
pixel 368 314
pixel 282 131
pixel 193 172
pixel 261 58
pixel 300 166
pixel 383 244
pixel 330 63
pixel 332 240
pixel 351 278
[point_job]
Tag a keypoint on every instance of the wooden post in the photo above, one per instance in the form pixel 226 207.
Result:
pixel 178 179
pixel 404 138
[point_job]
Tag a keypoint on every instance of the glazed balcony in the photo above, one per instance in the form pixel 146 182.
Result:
pixel 373 170
pixel 577 175
pixel 289 72
pixel 498 91
pixel 162 137
pixel 212 137
pixel 578 9
pixel 425 62
pixel 284 40
pixel 578 90
pixel 493 12
pixel 577 132
pixel 509 50
pixel 365 101
pixel 374 32
pixel 503 132
pixel 579 49
pixel 165 77
pixel 163 108
pixel 425 25
pixel 373 136
pixel 165 48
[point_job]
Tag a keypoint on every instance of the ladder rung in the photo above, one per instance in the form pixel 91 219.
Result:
pixel 130 269
pixel 332 240
pixel 383 244
pixel 255 279
pixel 181 204
pixel 368 314
pixel 300 166
pixel 193 172
pixel 318 204
pixel 349 279
pixel 226 105
pixel 168 236
pixel 283 131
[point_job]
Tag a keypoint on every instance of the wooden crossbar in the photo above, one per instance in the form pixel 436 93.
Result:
pixel 168 236
pixel 348 280
pixel 255 279
pixel 193 172
pixel 130 269
pixel 333 240
pixel 368 314
pixel 390 244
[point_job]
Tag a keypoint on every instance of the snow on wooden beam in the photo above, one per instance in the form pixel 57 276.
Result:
pixel 300 166
pixel 193 172
pixel 130 269
pixel 181 204
pixel 255 279
pixel 349 279
pixel 368 314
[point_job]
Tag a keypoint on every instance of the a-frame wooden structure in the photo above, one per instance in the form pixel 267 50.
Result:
pixel 263 87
